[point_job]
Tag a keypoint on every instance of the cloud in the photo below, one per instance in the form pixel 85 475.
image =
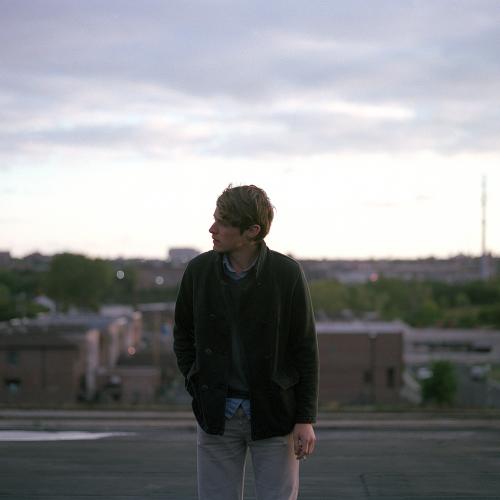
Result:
pixel 249 78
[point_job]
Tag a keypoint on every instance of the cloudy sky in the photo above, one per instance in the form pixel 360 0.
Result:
pixel 369 123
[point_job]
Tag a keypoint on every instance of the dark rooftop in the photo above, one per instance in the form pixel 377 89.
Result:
pixel 33 340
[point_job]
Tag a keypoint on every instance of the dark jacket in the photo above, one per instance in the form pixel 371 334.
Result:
pixel 276 324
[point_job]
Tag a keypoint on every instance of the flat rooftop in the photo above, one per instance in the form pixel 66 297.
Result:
pixel 360 327
pixel 406 458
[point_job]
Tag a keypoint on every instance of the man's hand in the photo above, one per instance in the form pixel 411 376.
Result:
pixel 303 440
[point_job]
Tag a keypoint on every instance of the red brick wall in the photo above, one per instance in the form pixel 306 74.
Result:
pixel 46 375
pixel 346 361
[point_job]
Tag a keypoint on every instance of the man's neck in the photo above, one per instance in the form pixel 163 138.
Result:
pixel 243 257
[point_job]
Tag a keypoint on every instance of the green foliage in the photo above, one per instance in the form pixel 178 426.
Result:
pixel 359 299
pixel 494 373
pixel 489 315
pixel 4 296
pixel 482 292
pixel 417 303
pixel 75 280
pixel 23 281
pixel 6 303
pixel 461 317
pixel 464 294
pixel 329 297
pixel 124 290
pixel 441 387
pixel 389 298
pixel 412 302
pixel 17 290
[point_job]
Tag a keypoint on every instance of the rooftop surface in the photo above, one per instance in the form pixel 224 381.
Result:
pixel 32 340
pixel 368 456
pixel 358 326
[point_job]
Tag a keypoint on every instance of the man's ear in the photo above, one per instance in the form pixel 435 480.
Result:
pixel 253 231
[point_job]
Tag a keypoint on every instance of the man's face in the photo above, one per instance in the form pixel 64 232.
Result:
pixel 227 238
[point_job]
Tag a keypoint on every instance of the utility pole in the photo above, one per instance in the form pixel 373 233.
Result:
pixel 156 337
pixel 373 366
pixel 485 274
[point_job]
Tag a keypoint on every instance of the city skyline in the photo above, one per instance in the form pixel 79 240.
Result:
pixel 369 125
pixel 7 253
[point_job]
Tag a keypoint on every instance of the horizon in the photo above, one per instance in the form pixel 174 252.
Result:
pixel 297 257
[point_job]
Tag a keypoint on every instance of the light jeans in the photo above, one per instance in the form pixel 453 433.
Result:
pixel 221 463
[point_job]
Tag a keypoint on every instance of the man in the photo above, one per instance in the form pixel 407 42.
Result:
pixel 245 341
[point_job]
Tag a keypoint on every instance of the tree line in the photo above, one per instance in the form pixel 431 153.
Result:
pixel 418 303
pixel 73 281
pixel 78 281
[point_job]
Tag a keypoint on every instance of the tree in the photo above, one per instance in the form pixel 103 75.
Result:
pixel 441 386
pixel 329 297
pixel 124 286
pixel 18 288
pixel 6 303
pixel 75 280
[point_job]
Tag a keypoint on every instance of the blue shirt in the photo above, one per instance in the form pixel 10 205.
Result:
pixel 231 272
pixel 232 404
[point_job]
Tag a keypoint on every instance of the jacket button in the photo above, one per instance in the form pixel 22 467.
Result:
pixel 204 387
pixel 208 351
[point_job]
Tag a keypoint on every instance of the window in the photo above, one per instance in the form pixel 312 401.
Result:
pixel 13 385
pixel 390 377
pixel 13 358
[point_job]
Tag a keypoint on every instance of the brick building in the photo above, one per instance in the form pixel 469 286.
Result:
pixel 360 362
pixel 63 358
pixel 39 368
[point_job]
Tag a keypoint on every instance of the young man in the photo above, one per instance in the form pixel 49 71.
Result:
pixel 245 341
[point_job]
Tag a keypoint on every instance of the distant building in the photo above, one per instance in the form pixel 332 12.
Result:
pixel 40 368
pixel 138 384
pixel 167 275
pixel 458 269
pixel 469 347
pixel 35 261
pixel 158 317
pixel 141 375
pixel 473 354
pixel 86 347
pixel 360 362
pixel 5 259
pixel 181 256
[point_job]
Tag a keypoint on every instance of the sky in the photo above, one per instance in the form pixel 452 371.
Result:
pixel 370 124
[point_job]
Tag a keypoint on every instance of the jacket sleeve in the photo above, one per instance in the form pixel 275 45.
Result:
pixel 184 341
pixel 305 352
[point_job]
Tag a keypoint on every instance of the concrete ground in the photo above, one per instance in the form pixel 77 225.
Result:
pixel 379 456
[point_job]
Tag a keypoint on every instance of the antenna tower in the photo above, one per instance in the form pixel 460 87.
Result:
pixel 484 256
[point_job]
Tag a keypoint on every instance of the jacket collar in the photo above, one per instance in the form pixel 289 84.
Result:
pixel 263 254
pixel 261 261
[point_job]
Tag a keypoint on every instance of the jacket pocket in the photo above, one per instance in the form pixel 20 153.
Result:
pixel 193 370
pixel 285 380
pixel 191 379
